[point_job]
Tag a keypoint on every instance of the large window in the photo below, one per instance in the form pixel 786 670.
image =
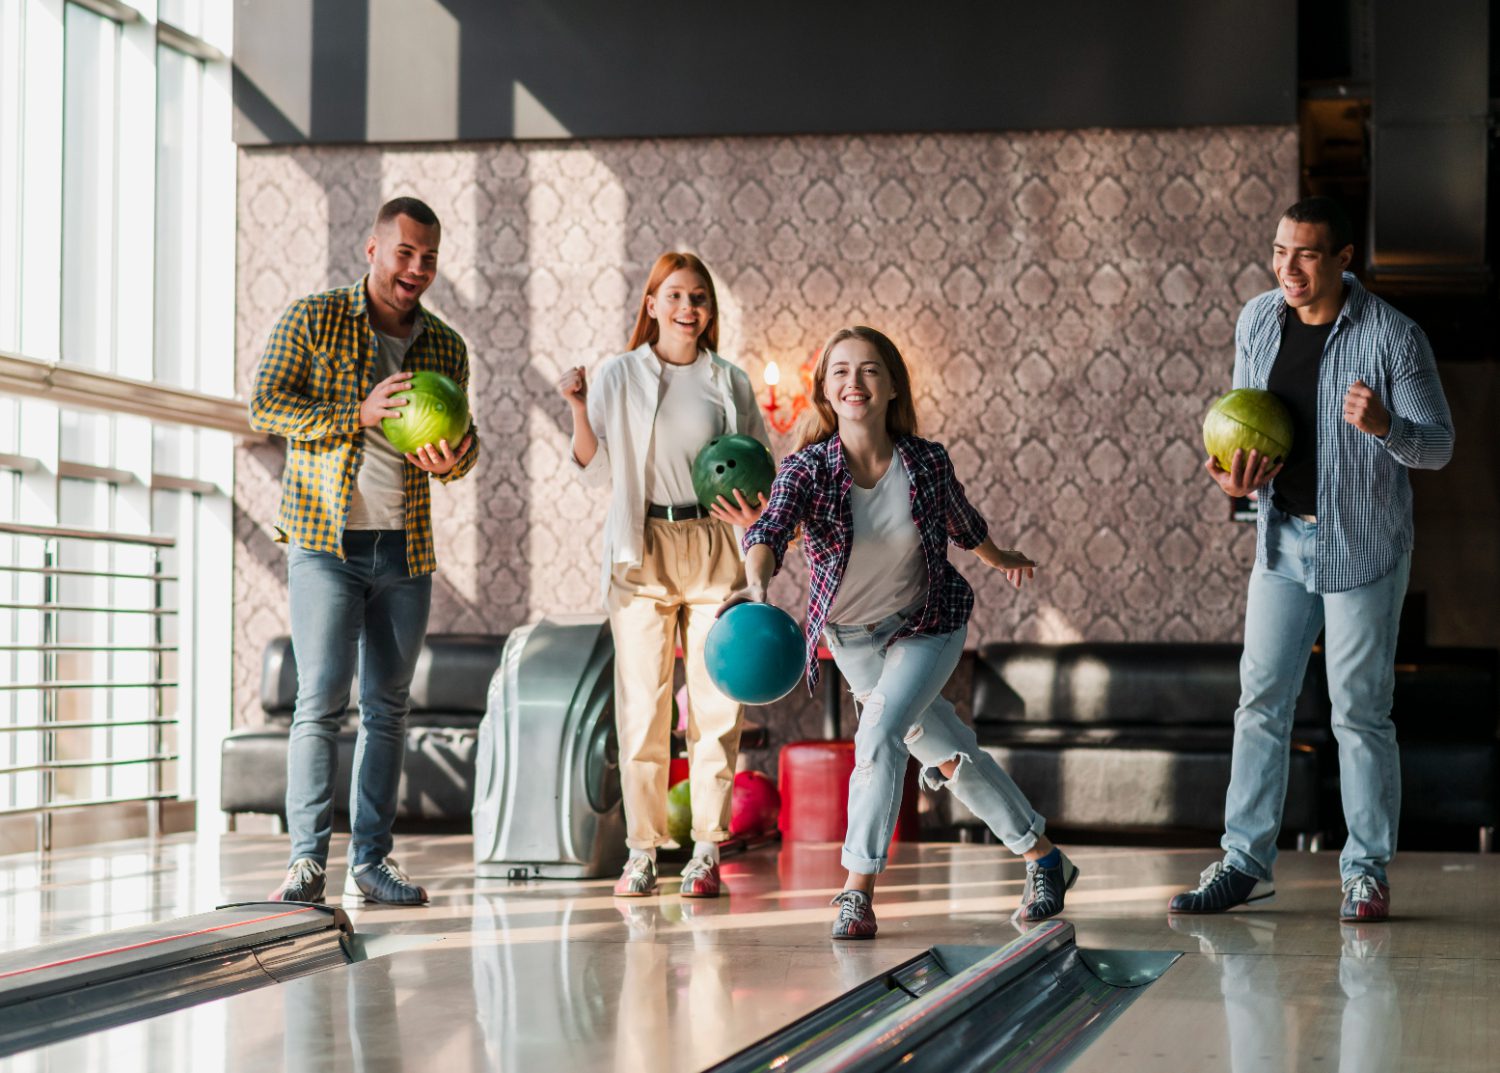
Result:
pixel 116 255
pixel 90 90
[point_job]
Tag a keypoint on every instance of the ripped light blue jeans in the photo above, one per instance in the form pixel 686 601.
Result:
pixel 903 712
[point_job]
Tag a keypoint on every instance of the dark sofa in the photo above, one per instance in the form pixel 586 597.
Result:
pixel 1116 736
pixel 448 695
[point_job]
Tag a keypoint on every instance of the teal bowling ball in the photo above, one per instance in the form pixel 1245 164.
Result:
pixel 755 653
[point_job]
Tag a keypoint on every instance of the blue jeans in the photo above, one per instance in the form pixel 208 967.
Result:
pixel 363 612
pixel 902 712
pixel 1282 620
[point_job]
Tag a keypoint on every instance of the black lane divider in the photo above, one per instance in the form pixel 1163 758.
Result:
pixel 1034 1004
pixel 53 992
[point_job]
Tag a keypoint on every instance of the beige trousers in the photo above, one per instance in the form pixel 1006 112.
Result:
pixel 686 571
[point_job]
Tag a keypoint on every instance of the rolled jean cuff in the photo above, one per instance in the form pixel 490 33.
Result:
pixel 718 835
pixel 865 866
pixel 646 843
pixel 1240 863
pixel 1029 837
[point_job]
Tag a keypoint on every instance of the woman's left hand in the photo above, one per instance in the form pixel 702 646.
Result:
pixel 1014 564
pixel 741 514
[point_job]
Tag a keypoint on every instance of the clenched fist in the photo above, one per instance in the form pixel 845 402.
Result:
pixel 574 386
pixel 1364 410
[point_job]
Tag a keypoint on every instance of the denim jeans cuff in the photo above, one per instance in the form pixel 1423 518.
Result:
pixel 1241 863
pixel 1029 838
pixel 865 866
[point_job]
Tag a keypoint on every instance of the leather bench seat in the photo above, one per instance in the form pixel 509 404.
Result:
pixel 1114 736
pixel 449 691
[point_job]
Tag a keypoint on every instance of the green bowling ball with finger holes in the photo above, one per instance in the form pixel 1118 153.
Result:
pixel 1247 419
pixel 730 462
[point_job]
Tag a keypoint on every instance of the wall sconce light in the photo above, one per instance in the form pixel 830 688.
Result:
pixel 783 410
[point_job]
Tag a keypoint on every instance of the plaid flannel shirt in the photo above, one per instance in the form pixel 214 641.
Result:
pixel 1364 496
pixel 317 368
pixel 811 490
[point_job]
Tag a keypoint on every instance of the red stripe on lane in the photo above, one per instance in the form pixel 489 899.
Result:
pixel 154 942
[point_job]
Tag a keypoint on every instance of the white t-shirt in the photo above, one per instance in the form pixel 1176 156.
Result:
pixel 886 571
pixel 689 414
pixel 378 500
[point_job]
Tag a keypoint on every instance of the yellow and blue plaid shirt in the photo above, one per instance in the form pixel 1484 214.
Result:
pixel 316 370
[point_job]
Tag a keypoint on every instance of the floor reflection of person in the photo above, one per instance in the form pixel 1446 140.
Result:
pixel 675 999
pixel 1255 1004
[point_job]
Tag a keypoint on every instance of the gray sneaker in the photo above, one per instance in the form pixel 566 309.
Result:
pixel 856 918
pixel 304 882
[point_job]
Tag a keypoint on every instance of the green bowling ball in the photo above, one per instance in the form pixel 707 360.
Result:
pixel 1247 419
pixel 680 813
pixel 435 410
pixel 729 462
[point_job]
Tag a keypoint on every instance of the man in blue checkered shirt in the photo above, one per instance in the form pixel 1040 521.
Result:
pixel 1333 551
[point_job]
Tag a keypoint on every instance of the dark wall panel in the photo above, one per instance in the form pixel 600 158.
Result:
pixel 444 70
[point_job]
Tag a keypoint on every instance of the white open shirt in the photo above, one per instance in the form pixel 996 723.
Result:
pixel 622 410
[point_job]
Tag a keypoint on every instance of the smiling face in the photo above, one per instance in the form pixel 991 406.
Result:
pixel 857 383
pixel 1309 272
pixel 681 307
pixel 403 263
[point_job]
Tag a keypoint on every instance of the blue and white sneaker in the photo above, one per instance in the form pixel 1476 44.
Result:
pixel 1221 888
pixel 1046 888
pixel 383 882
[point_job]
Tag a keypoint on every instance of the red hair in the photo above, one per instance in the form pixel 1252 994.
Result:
pixel 646 330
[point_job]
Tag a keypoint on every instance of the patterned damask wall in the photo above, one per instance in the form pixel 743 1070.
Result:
pixel 1067 301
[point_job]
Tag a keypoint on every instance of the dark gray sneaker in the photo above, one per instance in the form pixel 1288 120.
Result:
pixel 304 882
pixel 1046 888
pixel 856 916
pixel 384 883
pixel 1221 888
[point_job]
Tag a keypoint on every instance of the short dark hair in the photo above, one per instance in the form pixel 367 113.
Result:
pixel 1329 213
pixel 407 206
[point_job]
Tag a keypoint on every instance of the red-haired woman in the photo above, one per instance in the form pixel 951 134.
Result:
pixel 878 507
pixel 668 564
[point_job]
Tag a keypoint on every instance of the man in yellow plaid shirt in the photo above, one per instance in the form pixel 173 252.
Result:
pixel 358 516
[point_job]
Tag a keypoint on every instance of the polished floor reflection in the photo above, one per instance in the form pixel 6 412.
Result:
pixel 560 976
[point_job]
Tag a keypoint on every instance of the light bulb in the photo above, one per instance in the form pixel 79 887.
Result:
pixel 772 374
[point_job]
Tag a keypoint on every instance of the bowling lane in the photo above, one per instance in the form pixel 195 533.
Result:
pixel 559 974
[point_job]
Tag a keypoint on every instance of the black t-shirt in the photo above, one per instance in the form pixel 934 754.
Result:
pixel 1294 380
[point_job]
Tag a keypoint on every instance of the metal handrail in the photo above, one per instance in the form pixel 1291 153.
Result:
pixel 68 384
pixel 75 765
pixel 63 532
pixel 84 646
pixel 84 608
pixel 58 572
pixel 107 724
pixel 7 687
pixel 62 806
pixel 48 759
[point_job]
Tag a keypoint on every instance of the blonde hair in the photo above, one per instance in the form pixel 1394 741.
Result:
pixel 820 422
